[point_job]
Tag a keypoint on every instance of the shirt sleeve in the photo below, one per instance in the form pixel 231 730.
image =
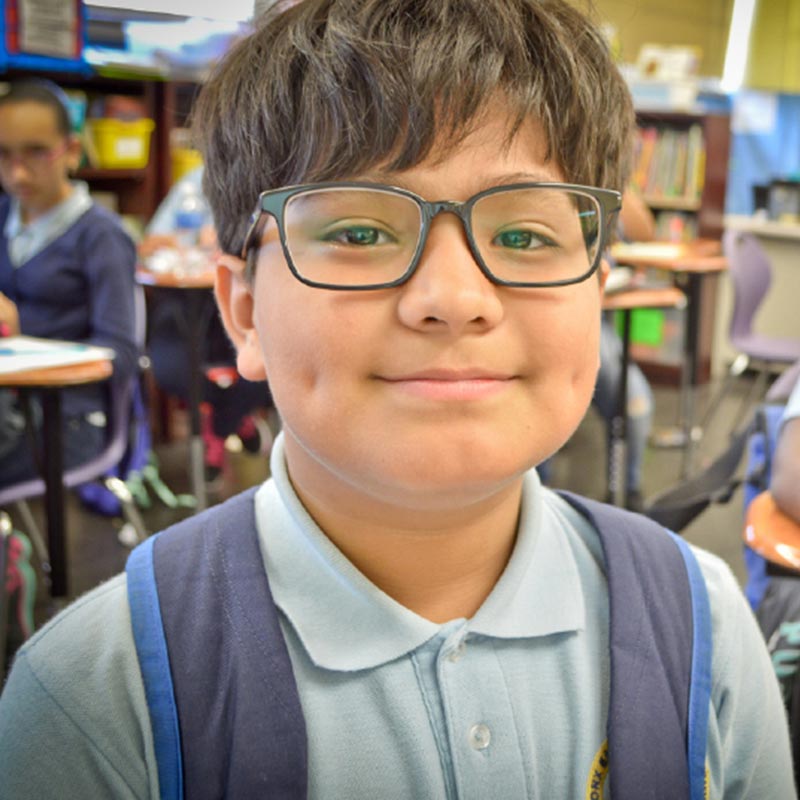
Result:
pixel 110 263
pixel 748 746
pixel 73 718
pixel 793 403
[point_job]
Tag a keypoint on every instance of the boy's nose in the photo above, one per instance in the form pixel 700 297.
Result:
pixel 448 291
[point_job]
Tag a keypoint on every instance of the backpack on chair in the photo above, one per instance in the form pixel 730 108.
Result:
pixel 772 590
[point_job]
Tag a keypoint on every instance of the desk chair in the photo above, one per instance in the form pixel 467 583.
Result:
pixel 751 273
pixel 96 469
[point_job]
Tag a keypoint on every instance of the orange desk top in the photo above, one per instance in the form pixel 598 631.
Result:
pixel 66 375
pixel 699 255
pixel 771 533
pixel 662 297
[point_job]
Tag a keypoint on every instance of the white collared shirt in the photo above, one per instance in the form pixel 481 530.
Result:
pixel 26 240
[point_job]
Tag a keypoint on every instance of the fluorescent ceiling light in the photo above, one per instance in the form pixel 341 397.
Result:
pixel 738 45
pixel 230 10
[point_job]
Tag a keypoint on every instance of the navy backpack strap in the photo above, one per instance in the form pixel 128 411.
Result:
pixel 660 645
pixel 151 649
pixel 700 687
pixel 240 730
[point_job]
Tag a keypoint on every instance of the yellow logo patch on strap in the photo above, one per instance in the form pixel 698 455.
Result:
pixel 599 772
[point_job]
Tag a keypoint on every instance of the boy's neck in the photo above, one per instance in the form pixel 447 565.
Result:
pixel 440 565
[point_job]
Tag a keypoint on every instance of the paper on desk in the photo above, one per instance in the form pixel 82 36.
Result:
pixel 27 352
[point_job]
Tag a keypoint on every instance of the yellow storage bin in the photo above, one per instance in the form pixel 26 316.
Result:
pixel 120 144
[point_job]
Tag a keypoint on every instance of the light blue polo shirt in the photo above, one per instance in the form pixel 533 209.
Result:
pixel 510 704
pixel 447 710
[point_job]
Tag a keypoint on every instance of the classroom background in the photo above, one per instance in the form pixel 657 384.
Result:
pixel 717 91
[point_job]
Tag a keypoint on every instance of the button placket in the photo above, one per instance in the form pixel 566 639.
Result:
pixel 457 653
pixel 479 720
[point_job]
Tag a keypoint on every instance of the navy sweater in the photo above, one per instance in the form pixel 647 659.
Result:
pixel 80 287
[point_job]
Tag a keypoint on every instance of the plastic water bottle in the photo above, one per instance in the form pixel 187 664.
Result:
pixel 190 217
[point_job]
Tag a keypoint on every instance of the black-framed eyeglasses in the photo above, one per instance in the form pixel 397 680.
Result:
pixel 358 236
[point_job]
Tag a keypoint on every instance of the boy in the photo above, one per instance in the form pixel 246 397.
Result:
pixel 446 618
pixel 66 266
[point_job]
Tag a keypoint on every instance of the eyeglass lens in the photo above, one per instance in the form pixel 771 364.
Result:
pixel 348 236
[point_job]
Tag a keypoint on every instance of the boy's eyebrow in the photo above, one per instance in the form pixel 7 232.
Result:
pixel 396 179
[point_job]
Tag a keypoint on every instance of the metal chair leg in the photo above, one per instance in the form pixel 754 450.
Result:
pixel 754 394
pixel 739 365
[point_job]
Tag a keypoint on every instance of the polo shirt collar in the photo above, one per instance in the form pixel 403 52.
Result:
pixel 26 241
pixel 346 623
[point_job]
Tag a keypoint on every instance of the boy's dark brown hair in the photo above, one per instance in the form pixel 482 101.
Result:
pixel 327 89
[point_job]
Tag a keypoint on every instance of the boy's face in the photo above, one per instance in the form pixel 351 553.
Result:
pixel 34 156
pixel 438 393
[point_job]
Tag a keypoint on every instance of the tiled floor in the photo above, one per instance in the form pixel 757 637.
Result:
pixel 95 554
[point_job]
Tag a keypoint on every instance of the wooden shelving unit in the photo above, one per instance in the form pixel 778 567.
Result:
pixel 139 191
pixel 99 175
pixel 692 210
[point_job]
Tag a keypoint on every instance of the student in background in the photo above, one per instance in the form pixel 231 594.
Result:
pixel 785 478
pixel 226 409
pixel 66 267
pixel 423 291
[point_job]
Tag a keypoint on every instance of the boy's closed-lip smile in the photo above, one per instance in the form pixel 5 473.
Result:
pixel 451 384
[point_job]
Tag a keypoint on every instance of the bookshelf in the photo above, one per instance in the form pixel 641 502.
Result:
pixel 138 191
pixel 681 167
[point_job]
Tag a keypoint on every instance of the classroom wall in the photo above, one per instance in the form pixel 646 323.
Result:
pixel 698 23
pixel 774 61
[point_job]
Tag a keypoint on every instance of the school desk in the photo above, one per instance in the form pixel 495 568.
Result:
pixel 772 534
pixel 626 301
pixel 690 263
pixel 194 285
pixel 48 383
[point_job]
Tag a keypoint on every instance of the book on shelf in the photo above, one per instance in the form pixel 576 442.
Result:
pixel 676 226
pixel 670 163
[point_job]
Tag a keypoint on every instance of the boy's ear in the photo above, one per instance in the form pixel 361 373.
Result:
pixel 235 300
pixel 74 152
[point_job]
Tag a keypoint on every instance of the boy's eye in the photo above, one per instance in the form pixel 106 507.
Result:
pixel 518 239
pixel 358 235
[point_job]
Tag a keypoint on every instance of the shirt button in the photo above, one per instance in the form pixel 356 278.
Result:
pixel 457 653
pixel 479 736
